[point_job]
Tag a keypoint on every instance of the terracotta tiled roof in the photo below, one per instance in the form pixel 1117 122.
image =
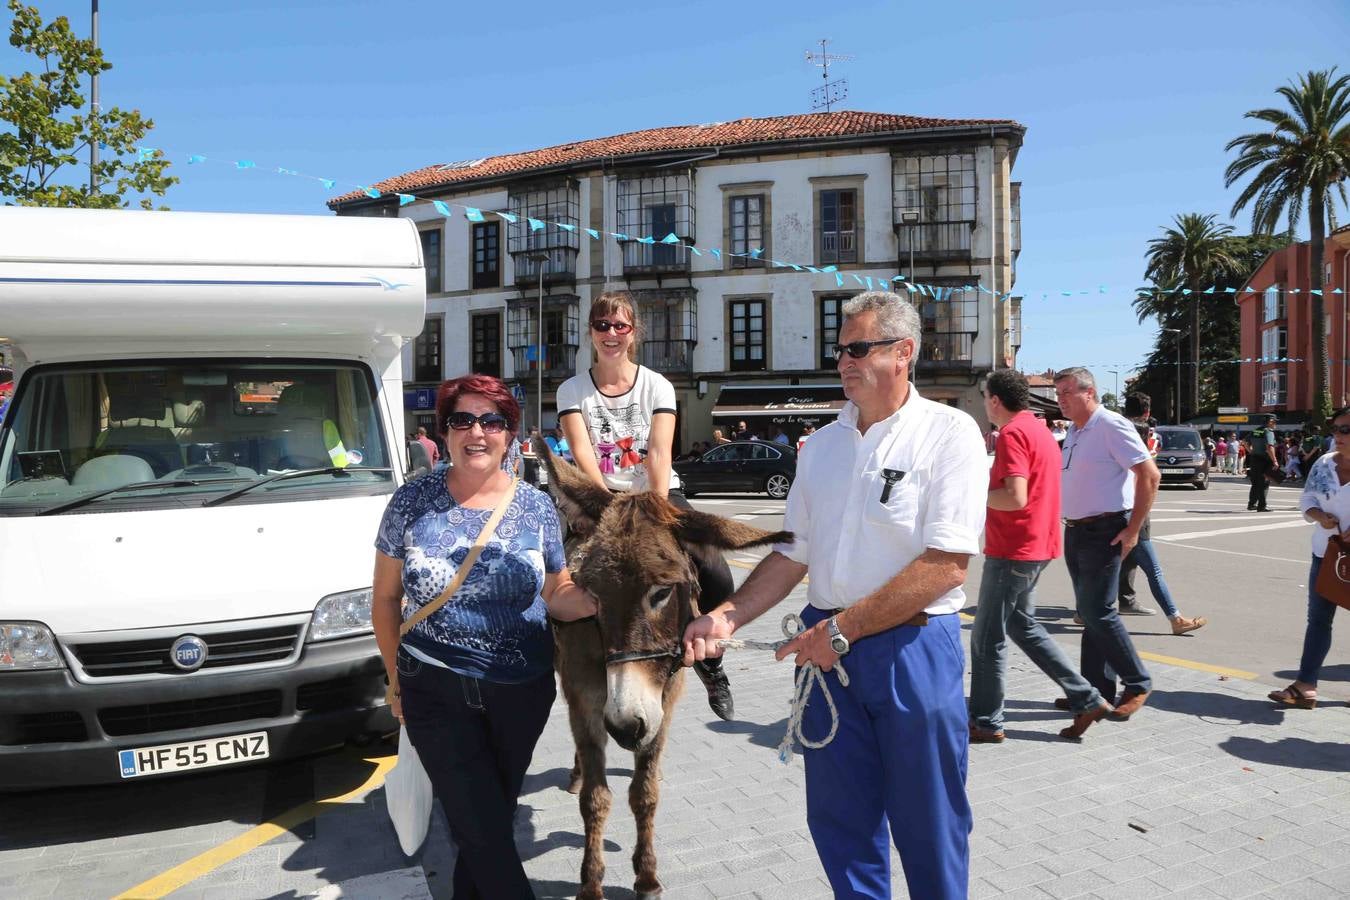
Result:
pixel 742 132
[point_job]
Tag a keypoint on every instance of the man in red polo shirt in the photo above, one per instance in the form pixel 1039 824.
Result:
pixel 1021 536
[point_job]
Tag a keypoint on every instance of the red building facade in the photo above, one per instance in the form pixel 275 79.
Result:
pixel 1277 322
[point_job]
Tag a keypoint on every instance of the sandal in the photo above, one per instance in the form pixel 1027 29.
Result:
pixel 1295 697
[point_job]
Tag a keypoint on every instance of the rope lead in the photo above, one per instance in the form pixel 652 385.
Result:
pixel 808 677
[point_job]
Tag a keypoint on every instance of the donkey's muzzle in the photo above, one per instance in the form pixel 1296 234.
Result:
pixel 628 734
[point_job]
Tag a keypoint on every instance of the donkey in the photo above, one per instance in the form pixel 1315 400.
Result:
pixel 621 672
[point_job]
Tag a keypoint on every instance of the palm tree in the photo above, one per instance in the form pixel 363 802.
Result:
pixel 1299 160
pixel 1193 253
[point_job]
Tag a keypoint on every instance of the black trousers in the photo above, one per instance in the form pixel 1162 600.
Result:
pixel 475 739
pixel 714 575
pixel 1257 467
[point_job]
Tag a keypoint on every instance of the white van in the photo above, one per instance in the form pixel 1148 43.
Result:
pixel 204 433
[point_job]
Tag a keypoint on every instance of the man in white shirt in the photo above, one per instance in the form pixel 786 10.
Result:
pixel 886 510
pixel 1108 481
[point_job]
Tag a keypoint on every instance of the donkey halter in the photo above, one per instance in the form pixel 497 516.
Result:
pixel 675 654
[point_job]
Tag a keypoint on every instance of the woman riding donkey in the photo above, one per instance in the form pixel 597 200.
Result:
pixel 619 418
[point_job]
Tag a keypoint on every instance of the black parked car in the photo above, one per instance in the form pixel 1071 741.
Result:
pixel 741 466
pixel 1181 456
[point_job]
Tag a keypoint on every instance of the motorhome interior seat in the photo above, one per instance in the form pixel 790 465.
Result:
pixel 130 433
pixel 113 470
pixel 300 417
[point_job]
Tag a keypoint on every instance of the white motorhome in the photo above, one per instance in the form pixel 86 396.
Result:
pixel 204 434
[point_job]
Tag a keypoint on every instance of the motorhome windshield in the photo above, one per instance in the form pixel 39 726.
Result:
pixel 167 433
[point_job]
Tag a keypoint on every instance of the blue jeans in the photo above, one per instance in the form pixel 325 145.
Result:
pixel 1094 568
pixel 897 764
pixel 1007 609
pixel 1145 557
pixel 1317 638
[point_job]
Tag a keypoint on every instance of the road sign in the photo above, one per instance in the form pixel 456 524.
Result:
pixel 1232 410
pixel 518 391
pixel 1232 420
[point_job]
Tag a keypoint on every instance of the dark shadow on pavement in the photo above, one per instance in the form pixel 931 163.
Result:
pixel 760 735
pixel 1216 706
pixel 1045 737
pixel 566 890
pixel 549 778
pixel 1337 672
pixel 1294 753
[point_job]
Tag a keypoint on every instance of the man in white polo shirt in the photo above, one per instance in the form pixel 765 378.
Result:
pixel 887 510
pixel 1107 484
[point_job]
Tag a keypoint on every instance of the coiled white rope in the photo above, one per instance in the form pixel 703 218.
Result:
pixel 809 676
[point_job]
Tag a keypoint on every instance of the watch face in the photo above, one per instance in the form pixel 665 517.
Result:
pixel 838 645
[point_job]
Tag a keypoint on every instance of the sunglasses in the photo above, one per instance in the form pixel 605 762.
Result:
pixel 860 349
pixel 604 326
pixel 1341 429
pixel 491 423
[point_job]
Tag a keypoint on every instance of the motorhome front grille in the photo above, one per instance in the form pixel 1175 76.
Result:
pixel 151 657
pixel 63 727
pixel 148 718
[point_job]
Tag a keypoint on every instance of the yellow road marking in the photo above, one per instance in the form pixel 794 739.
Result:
pixel 184 873
pixel 1199 666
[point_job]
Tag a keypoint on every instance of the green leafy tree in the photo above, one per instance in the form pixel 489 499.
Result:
pixel 1192 254
pixel 1219 325
pixel 1110 401
pixel 1300 160
pixel 45 139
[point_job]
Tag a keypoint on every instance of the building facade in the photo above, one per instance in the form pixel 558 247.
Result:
pixel 1277 323
pixel 874 195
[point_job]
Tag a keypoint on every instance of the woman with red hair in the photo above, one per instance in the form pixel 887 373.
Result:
pixel 473 681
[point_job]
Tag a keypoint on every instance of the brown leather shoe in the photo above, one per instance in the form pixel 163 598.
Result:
pixel 1130 703
pixel 1182 625
pixel 1083 721
pixel 980 735
pixel 1063 703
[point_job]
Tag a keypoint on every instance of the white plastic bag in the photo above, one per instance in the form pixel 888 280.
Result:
pixel 407 794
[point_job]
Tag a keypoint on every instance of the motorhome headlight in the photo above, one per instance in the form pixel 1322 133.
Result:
pixel 28 645
pixel 341 615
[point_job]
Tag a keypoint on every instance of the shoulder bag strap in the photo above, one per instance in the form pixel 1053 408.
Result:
pixel 463 572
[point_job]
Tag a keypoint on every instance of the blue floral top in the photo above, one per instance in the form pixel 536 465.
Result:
pixel 495 627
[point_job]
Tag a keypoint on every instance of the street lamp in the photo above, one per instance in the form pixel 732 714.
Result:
pixel 1116 373
pixel 1176 410
pixel 542 260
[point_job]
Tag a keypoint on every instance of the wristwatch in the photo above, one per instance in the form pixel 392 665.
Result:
pixel 838 643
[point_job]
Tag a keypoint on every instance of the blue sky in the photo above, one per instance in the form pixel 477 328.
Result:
pixel 1127 106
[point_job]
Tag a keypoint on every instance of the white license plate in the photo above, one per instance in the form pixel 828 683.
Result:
pixel 1174 471
pixel 220 751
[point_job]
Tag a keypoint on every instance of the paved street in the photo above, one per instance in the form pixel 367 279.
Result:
pixel 1209 792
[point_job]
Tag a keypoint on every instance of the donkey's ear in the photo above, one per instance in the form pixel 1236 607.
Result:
pixel 704 529
pixel 581 500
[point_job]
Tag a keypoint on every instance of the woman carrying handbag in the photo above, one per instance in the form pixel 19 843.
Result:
pixel 1326 503
pixel 478 556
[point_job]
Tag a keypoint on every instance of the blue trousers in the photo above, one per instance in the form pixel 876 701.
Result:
pixel 1317 636
pixel 1007 611
pixel 897 764
pixel 1094 568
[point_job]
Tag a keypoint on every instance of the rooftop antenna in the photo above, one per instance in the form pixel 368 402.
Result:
pixel 830 92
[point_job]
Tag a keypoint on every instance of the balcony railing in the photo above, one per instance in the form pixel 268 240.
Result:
pixel 640 258
pixel 668 356
pixel 947 351
pixel 562 266
pixel 935 240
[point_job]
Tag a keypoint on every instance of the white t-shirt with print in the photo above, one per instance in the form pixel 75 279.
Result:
pixel 619 425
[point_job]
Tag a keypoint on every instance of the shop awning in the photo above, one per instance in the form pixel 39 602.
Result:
pixel 785 402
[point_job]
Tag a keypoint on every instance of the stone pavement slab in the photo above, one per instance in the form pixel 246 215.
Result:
pixel 1210 791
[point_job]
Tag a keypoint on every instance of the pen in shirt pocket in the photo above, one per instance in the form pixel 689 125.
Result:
pixel 892 478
